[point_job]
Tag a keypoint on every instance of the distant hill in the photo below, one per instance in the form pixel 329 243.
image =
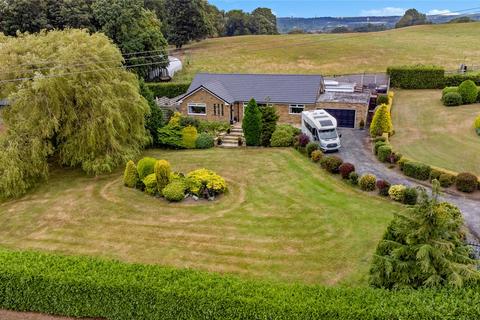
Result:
pixel 326 24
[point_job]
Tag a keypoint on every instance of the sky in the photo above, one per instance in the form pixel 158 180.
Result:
pixel 348 8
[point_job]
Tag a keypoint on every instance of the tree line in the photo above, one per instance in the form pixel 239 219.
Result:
pixel 135 25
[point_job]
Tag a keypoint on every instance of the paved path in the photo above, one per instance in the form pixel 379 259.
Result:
pixel 356 149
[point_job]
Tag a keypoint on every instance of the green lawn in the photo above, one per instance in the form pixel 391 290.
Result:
pixel 427 131
pixel 447 45
pixel 283 219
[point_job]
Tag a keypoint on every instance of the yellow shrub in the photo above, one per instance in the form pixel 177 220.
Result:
pixel 175 119
pixel 202 179
pixel 477 123
pixel 162 174
pixel 381 122
pixel 189 137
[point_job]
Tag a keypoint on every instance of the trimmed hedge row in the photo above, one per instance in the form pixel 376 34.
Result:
pixel 168 89
pixel 454 80
pixel 417 77
pixel 90 287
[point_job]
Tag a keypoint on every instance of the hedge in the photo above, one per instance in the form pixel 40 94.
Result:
pixel 92 287
pixel 417 77
pixel 168 89
pixel 417 170
pixel 454 80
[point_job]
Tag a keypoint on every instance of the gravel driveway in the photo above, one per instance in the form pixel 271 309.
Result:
pixel 356 149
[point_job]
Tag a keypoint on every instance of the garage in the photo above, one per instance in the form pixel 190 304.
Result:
pixel 345 118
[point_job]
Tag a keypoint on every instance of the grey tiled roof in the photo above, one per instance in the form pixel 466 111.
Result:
pixel 345 97
pixel 275 88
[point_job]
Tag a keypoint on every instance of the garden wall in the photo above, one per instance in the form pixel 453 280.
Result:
pixel 89 287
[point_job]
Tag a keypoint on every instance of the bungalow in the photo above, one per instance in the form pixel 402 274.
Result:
pixel 223 97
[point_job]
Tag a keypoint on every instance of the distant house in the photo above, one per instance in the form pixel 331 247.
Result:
pixel 224 97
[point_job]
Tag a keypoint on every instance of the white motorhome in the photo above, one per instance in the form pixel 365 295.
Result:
pixel 321 128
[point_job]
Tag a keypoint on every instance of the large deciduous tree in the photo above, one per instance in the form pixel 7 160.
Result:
pixel 263 21
pixel 81 108
pixel 134 29
pixel 412 18
pixel 186 20
pixel 424 247
pixel 23 16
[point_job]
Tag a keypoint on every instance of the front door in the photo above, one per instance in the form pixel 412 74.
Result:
pixel 232 118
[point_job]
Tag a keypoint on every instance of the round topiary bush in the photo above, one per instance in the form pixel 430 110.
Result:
pixel 449 90
pixel 331 163
pixel 205 182
pixel 282 136
pixel 150 183
pixel 397 192
pixel 353 178
pixel 384 152
pixel 189 137
pixel 377 145
pixel 204 141
pixel 466 182
pixel 468 91
pixel 345 169
pixel 145 167
pixel 452 99
pixel 383 187
pixel 317 155
pixel 175 191
pixel 368 182
pixel 130 176
pixel 311 146
pixel 446 180
pixel 410 196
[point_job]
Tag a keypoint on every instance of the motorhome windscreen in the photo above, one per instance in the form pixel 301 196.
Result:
pixel 327 134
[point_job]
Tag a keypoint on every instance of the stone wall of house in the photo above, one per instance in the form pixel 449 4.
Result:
pixel 203 96
pixel 361 114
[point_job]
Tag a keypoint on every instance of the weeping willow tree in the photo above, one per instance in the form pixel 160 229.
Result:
pixel 424 247
pixel 75 106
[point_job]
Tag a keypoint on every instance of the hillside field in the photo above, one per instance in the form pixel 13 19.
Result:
pixel 446 45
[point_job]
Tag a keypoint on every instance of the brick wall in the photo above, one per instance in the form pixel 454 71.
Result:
pixel 203 96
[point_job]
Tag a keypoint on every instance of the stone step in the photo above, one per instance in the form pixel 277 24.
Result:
pixel 228 145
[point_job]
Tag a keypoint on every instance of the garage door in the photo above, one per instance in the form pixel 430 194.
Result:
pixel 345 118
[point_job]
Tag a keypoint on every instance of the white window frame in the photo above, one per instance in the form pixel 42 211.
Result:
pixel 296 106
pixel 196 105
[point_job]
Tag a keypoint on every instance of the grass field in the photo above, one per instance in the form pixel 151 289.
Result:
pixel 283 219
pixel 430 132
pixel 447 45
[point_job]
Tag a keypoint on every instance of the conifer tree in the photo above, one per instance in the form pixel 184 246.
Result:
pixel 130 176
pixel 162 174
pixel 424 247
pixel 252 124
pixel 381 122
pixel 269 124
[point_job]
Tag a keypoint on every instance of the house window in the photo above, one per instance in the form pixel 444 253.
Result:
pixel 222 109
pixel 199 109
pixel 296 108
pixel 215 109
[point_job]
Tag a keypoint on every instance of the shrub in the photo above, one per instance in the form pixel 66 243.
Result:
pixel 204 141
pixel 353 178
pixel 206 183
pixel 435 174
pixel 477 123
pixel 317 155
pixel 449 90
pixel 410 196
pixel 368 182
pixel 162 174
pixel 189 122
pixel 213 127
pixel 454 80
pixel 417 77
pixel 381 122
pixel 168 89
pixel 189 137
pixel 466 182
pixel 382 99
pixel 252 124
pixel 446 180
pixel 383 187
pixel 269 124
pixel 174 191
pixel 397 192
pixel 95 287
pixel 171 135
pixel 150 183
pixel 452 99
pixel 311 146
pixel 417 170
pixel 282 136
pixel 380 138
pixel 130 176
pixel 469 91
pixel 145 167
pixel 384 152
pixel 345 169
pixel 302 140
pixel 377 145
pixel 401 163
pixel 331 163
